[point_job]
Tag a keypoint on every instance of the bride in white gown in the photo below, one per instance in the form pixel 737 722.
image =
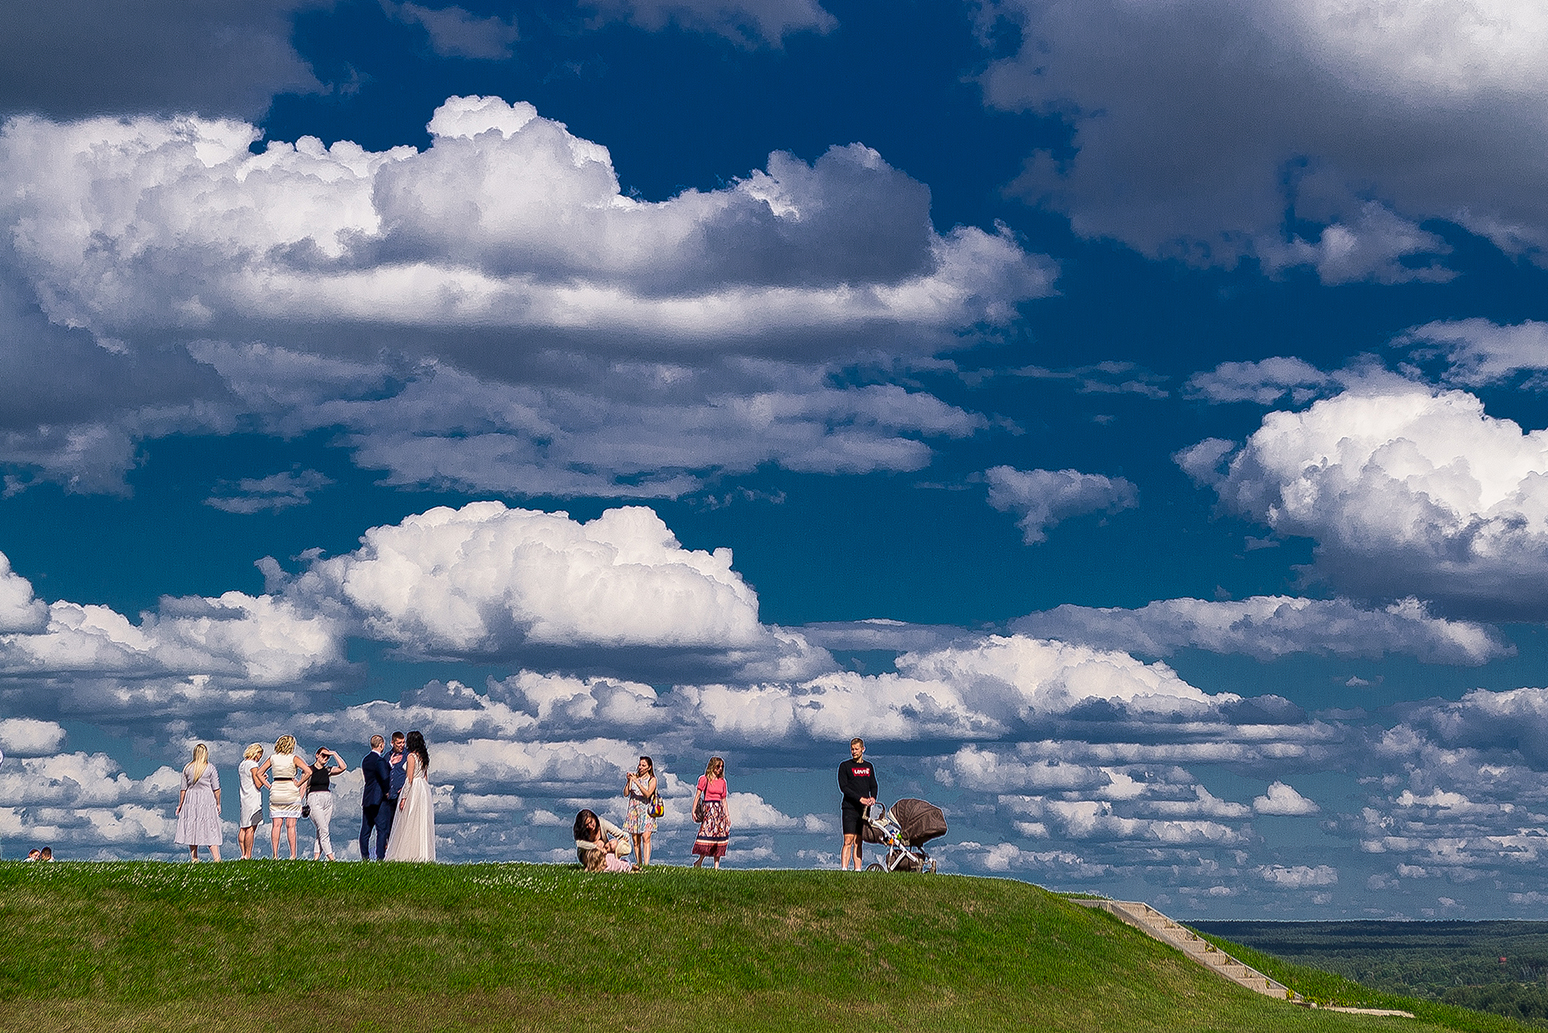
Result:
pixel 413 827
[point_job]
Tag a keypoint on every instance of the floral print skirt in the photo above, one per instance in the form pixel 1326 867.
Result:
pixel 639 820
pixel 714 831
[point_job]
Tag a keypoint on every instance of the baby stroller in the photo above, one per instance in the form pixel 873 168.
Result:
pixel 903 829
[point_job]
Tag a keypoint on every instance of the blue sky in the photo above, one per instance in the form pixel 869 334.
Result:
pixel 1127 417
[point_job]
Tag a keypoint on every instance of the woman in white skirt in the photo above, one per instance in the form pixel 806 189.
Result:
pixel 249 800
pixel 319 797
pixel 413 829
pixel 284 771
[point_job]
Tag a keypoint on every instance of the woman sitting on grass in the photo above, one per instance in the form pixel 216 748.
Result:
pixel 599 844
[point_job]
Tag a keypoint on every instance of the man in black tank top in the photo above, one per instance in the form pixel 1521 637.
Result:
pixel 857 781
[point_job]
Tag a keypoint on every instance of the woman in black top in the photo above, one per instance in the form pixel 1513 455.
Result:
pixel 319 797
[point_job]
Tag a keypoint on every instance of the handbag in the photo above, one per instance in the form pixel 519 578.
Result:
pixel 657 805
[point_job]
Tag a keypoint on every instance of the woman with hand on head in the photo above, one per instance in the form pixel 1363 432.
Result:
pixel 249 800
pixel 640 788
pixel 713 814
pixel 413 830
pixel 198 806
pixel 319 798
pixel 284 793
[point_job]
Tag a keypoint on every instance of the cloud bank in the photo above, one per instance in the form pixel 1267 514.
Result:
pixel 493 313
pixel 1198 125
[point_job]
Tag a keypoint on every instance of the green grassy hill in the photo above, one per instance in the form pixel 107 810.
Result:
pixel 338 948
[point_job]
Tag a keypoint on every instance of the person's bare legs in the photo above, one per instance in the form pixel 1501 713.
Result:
pixel 644 851
pixel 193 854
pixel 698 861
pixel 214 852
pixel 852 850
pixel 277 822
pixel 290 835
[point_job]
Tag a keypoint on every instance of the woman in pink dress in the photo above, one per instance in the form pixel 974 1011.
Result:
pixel 710 807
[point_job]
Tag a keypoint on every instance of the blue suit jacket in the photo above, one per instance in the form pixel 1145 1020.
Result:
pixel 378 777
pixel 398 776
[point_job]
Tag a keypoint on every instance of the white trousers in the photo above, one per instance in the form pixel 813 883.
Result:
pixel 322 814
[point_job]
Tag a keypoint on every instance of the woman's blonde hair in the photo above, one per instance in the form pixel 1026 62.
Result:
pixel 715 768
pixel 201 760
pixel 285 744
pixel 592 860
pixel 253 752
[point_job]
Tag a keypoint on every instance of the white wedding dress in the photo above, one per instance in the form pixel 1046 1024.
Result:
pixel 413 827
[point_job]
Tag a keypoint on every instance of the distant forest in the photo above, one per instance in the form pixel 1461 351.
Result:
pixel 1500 967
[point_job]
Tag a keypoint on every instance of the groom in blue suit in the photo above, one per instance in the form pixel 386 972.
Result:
pixel 375 812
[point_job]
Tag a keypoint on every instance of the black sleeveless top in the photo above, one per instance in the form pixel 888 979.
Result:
pixel 319 780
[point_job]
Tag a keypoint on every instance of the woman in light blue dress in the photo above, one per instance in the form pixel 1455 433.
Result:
pixel 198 806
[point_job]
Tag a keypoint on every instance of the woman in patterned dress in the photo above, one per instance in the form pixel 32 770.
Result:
pixel 640 788
pixel 711 808
pixel 198 806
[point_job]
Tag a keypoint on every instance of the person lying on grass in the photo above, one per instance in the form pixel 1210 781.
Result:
pixel 599 844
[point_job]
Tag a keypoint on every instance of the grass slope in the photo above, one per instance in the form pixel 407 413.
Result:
pixel 339 948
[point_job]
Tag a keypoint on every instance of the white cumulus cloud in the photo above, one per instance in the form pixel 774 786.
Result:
pixel 485 302
pixel 1406 491
pixel 20 611
pixel 1281 799
pixel 1044 498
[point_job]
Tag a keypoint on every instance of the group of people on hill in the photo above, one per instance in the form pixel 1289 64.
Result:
pixel 398 812
pixel 601 846
pixel 396 807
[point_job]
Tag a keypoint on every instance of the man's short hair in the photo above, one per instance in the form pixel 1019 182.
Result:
pixel 857 740
pixel 376 741
pixel 396 736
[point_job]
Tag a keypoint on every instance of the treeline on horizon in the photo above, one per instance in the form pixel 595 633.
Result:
pixel 1450 961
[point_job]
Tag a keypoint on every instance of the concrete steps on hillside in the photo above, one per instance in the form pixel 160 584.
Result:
pixel 1148 920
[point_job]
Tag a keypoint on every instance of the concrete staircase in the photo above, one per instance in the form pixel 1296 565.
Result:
pixel 1148 920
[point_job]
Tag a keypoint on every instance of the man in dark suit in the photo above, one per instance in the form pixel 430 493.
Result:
pixel 378 779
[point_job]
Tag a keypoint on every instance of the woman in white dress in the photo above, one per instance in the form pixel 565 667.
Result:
pixel 249 800
pixel 413 830
pixel 284 793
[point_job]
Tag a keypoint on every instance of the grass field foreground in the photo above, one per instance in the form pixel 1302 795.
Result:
pixel 354 947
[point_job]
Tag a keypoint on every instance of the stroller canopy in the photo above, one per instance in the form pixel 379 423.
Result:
pixel 920 821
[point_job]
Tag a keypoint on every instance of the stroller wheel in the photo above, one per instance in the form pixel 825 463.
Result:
pixel 874 867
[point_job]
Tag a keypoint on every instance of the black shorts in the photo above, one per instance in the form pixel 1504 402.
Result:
pixel 854 820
